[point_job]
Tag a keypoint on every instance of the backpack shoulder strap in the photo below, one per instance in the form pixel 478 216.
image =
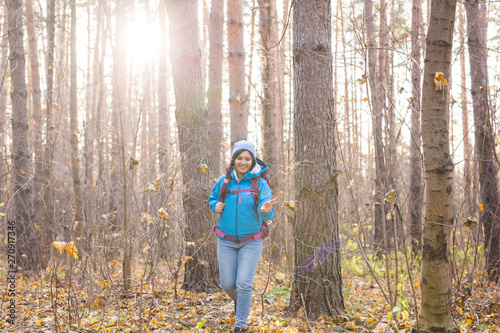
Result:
pixel 222 196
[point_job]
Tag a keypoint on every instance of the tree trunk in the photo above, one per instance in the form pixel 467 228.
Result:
pixel 484 137
pixel 3 107
pixel 468 175
pixel 201 270
pixel 119 201
pixel 271 114
pixel 267 10
pixel 416 189
pixel 236 55
pixel 27 243
pixel 73 127
pixel 49 139
pixel 36 131
pixel 214 93
pixel 435 312
pixel 380 230
pixel 163 90
pixel 317 283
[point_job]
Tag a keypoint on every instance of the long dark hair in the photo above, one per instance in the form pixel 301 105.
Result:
pixel 229 172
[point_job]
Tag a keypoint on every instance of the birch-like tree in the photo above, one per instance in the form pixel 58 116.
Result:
pixel 435 306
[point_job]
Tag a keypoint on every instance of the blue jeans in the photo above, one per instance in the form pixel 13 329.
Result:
pixel 237 265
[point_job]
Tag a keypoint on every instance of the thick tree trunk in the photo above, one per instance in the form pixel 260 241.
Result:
pixel 416 189
pixel 201 270
pixel 236 55
pixel 27 243
pixel 317 283
pixel 435 312
pixel 484 137
pixel 73 127
pixel 214 93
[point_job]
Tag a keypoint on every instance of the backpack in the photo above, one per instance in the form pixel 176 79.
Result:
pixel 254 188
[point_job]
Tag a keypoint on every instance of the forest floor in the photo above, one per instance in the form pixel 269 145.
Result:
pixel 63 298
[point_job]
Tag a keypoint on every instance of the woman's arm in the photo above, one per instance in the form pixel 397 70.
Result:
pixel 213 199
pixel 266 202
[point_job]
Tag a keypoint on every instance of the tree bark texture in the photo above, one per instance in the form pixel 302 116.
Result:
pixel 236 55
pixel 27 242
pixel 201 270
pixel 484 136
pixel 416 184
pixel 435 312
pixel 214 92
pixel 317 282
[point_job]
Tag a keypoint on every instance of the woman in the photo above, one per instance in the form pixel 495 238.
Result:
pixel 239 243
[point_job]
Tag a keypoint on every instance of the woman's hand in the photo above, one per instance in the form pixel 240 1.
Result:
pixel 268 205
pixel 219 207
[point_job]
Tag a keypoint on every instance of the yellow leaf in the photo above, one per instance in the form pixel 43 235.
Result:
pixel 350 325
pixel 71 249
pixel 1 204
pixel 440 81
pixel 40 322
pixel 163 213
pixel 481 207
pixel 60 246
pixel 355 230
pixel 204 168
pixel 291 205
pixel 37 228
pixel 104 283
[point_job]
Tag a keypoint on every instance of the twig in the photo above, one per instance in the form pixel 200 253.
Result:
pixel 305 313
pixel 265 288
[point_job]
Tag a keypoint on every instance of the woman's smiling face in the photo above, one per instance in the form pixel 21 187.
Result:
pixel 243 163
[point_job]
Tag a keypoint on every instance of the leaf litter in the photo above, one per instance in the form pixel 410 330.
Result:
pixel 70 298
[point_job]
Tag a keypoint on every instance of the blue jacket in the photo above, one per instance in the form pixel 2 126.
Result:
pixel 239 218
